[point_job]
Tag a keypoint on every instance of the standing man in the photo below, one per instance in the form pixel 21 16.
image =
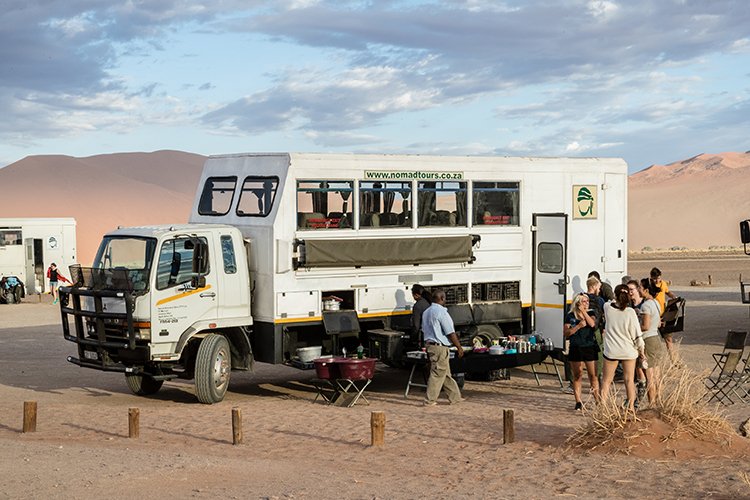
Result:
pixel 605 291
pixel 421 302
pixel 439 334
pixel 54 276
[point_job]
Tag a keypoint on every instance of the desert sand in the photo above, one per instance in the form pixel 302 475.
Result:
pixel 296 447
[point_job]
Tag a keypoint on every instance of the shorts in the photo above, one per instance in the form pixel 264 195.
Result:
pixel 583 353
pixel 53 285
pixel 654 350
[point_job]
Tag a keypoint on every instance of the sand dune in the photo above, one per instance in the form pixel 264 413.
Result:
pixel 694 203
pixel 102 192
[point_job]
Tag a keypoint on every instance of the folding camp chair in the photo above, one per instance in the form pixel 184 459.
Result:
pixel 721 385
pixel 741 387
pixel 735 342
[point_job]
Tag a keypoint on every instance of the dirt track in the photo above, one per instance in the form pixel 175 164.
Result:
pixel 297 449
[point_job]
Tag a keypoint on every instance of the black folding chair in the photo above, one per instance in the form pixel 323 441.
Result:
pixel 741 387
pixel 735 342
pixel 720 386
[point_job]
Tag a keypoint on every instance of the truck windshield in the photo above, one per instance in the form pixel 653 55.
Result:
pixel 127 253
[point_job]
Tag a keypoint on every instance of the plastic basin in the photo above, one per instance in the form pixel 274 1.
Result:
pixel 326 368
pixel 356 369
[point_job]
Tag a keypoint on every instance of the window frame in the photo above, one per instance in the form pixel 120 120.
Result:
pixel 517 209
pixel 225 178
pixel 243 190
pixel 203 239
pixel 222 239
pixel 466 189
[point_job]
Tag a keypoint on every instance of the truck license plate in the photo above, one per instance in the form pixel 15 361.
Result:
pixel 91 355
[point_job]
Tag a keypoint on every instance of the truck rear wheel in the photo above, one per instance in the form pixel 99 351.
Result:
pixel 213 365
pixel 143 385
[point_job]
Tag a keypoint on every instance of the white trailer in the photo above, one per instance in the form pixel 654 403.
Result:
pixel 275 240
pixel 29 245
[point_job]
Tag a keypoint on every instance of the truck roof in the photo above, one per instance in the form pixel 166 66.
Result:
pixel 159 230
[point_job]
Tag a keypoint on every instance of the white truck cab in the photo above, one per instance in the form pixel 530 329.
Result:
pixel 163 302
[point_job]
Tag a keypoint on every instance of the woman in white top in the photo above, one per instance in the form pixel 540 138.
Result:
pixel 655 349
pixel 622 343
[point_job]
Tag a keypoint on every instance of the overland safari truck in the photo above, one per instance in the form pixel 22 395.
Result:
pixel 286 251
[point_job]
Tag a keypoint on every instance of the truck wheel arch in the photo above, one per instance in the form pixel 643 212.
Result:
pixel 239 346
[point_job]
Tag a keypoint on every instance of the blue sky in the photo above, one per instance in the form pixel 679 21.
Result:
pixel 649 81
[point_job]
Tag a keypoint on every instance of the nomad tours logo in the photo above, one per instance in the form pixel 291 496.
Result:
pixel 410 175
pixel 584 202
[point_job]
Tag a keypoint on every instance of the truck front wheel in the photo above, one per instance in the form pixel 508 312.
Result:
pixel 143 385
pixel 213 366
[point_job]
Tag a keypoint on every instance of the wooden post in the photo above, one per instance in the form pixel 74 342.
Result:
pixel 709 279
pixel 377 426
pixel 29 416
pixel 509 432
pixel 236 426
pixel 134 424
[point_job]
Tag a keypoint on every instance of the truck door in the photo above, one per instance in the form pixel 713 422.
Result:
pixel 184 286
pixel 234 296
pixel 549 257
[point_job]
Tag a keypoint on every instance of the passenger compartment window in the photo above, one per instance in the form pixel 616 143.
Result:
pixel 441 204
pixel 217 196
pixel 496 203
pixel 324 204
pixel 384 204
pixel 175 265
pixel 10 236
pixel 257 196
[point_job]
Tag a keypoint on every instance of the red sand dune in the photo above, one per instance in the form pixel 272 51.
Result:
pixel 695 203
pixel 102 192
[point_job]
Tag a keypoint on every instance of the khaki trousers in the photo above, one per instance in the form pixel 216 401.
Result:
pixel 440 375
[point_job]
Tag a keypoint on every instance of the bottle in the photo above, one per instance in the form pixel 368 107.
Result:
pixel 360 352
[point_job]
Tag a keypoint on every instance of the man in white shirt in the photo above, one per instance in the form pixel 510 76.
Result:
pixel 439 334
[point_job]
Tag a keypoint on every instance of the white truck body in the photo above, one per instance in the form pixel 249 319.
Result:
pixel 509 239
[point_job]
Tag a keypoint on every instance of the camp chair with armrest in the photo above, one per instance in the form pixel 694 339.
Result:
pixel 721 385
pixel 734 342
pixel 741 387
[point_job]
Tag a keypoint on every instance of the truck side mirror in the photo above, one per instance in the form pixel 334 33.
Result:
pixel 198 281
pixel 745 234
pixel 200 257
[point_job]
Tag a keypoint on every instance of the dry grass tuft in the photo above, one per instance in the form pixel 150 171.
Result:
pixel 680 402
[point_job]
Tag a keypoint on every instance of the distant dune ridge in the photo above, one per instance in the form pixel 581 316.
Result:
pixel 103 191
pixel 696 203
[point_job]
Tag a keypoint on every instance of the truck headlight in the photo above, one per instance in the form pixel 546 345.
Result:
pixel 143 333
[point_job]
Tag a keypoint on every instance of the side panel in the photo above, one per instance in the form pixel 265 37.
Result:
pixel 550 274
pixel 615 230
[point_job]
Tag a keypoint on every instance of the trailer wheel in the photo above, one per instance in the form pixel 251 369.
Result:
pixel 212 368
pixel 143 385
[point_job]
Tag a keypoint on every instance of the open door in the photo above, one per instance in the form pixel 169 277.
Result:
pixel 35 271
pixel 550 275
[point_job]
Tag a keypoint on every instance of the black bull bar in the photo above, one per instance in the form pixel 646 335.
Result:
pixel 70 305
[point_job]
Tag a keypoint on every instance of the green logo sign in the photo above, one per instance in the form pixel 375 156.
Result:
pixel 584 202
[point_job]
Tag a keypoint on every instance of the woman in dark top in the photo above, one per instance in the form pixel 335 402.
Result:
pixel 580 325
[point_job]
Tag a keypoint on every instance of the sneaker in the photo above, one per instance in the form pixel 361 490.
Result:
pixel 458 401
pixel 429 403
pixel 54 302
pixel 569 389
pixel 579 406
pixel 641 389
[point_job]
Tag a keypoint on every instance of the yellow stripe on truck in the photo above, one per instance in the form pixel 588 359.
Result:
pixel 551 306
pixel 182 295
pixel 280 321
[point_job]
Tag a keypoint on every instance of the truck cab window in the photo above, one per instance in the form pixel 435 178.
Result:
pixel 441 203
pixel 227 253
pixel 324 204
pixel 175 266
pixel 496 203
pixel 217 196
pixel 257 196
pixel 384 204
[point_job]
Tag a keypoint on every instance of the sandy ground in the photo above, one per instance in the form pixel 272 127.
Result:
pixel 295 448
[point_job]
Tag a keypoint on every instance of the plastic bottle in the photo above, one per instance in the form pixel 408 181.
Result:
pixel 360 352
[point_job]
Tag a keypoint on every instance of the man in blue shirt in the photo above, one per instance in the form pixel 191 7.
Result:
pixel 439 334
